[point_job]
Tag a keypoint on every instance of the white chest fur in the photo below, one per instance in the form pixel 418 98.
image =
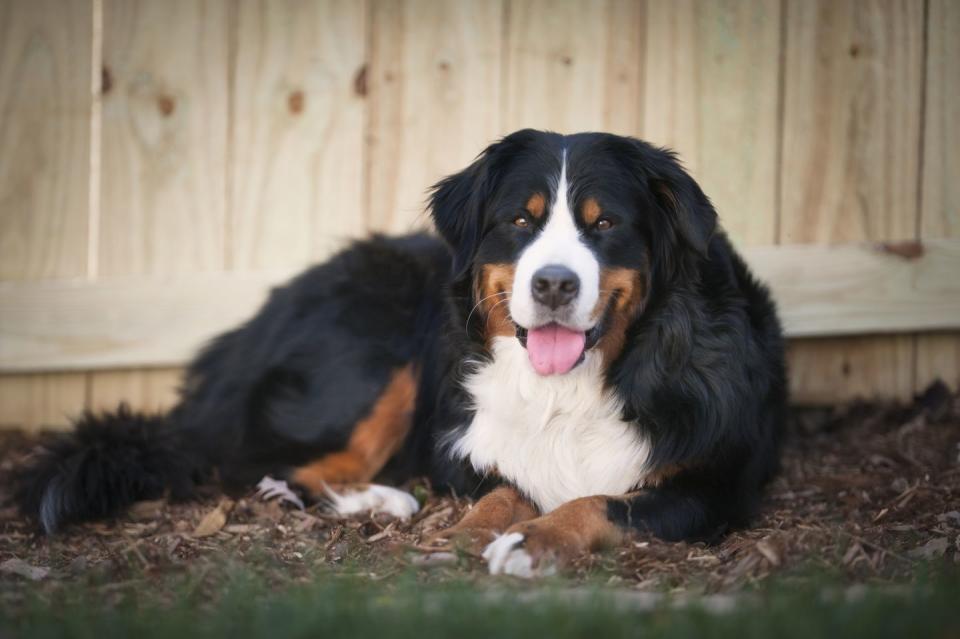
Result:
pixel 557 438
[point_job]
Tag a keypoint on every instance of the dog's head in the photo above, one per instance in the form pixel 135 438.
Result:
pixel 562 238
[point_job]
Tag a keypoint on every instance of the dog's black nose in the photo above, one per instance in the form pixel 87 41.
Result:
pixel 555 285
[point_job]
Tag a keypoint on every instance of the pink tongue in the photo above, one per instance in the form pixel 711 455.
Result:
pixel 554 350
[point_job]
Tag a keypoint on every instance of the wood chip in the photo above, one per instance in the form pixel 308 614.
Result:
pixel 768 549
pixel 214 520
pixel 933 548
pixel 16 566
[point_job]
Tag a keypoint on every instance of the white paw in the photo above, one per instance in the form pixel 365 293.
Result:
pixel 270 488
pixel 374 499
pixel 504 556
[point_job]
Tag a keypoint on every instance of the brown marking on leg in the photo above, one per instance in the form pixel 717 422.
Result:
pixel 374 441
pixel 492 290
pixel 590 211
pixel 630 288
pixel 494 513
pixel 575 528
pixel 537 205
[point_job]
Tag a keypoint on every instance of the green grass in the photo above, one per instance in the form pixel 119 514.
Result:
pixel 343 605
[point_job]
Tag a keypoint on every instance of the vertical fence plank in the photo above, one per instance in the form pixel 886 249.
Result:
pixel 710 93
pixel 149 389
pixel 163 178
pixel 939 355
pixel 850 164
pixel 434 83
pixel 574 65
pixel 44 137
pixel 297 134
pixel 164 133
pixel 45 53
pixel 43 400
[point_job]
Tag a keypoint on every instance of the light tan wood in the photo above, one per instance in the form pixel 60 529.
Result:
pixel 297 131
pixel 164 145
pixel 711 93
pixel 45 53
pixel 574 66
pixel 165 118
pixel 151 321
pixel 44 137
pixel 434 87
pixel 852 289
pixel 151 390
pixel 938 356
pixel 840 290
pixel 850 150
pixel 41 401
pixel 850 167
pixel 828 370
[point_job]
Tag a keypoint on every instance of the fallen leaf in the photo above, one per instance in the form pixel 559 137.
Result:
pixel 16 566
pixel 768 549
pixel 933 548
pixel 214 520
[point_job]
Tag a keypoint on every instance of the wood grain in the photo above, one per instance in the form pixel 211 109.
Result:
pixel 44 137
pixel 434 90
pixel 938 356
pixel 839 290
pixel 297 131
pixel 165 117
pixel 164 146
pixel 42 401
pixel 851 126
pixel 711 93
pixel 45 106
pixel 151 321
pixel 150 390
pixel 574 66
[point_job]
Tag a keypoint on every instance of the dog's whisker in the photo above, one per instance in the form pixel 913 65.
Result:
pixel 466 325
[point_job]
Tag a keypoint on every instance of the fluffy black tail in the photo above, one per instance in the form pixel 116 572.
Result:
pixel 108 462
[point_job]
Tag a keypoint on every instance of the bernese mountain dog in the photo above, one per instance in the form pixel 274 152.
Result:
pixel 582 350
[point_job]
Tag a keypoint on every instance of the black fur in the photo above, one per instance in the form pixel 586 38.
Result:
pixel 107 463
pixel 702 372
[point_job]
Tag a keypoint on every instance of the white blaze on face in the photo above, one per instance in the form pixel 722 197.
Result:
pixel 559 243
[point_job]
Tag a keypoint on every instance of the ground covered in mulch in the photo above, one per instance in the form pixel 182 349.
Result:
pixel 869 493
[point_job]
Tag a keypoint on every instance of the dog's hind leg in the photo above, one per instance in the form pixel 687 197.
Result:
pixel 341 478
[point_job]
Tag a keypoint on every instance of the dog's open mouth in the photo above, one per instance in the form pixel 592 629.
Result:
pixel 555 349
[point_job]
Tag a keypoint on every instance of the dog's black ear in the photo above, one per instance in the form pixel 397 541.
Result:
pixel 456 206
pixel 458 203
pixel 689 211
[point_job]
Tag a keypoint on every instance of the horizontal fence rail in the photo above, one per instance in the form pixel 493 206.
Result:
pixel 161 321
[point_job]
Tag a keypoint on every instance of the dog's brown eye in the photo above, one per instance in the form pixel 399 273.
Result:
pixel 604 224
pixel 521 221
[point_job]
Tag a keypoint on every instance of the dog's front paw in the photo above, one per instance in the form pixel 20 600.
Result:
pixel 522 555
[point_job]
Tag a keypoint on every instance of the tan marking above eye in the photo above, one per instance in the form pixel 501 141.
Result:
pixel 537 205
pixel 590 211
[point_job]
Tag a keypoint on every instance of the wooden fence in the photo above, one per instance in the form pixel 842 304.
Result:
pixel 162 162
